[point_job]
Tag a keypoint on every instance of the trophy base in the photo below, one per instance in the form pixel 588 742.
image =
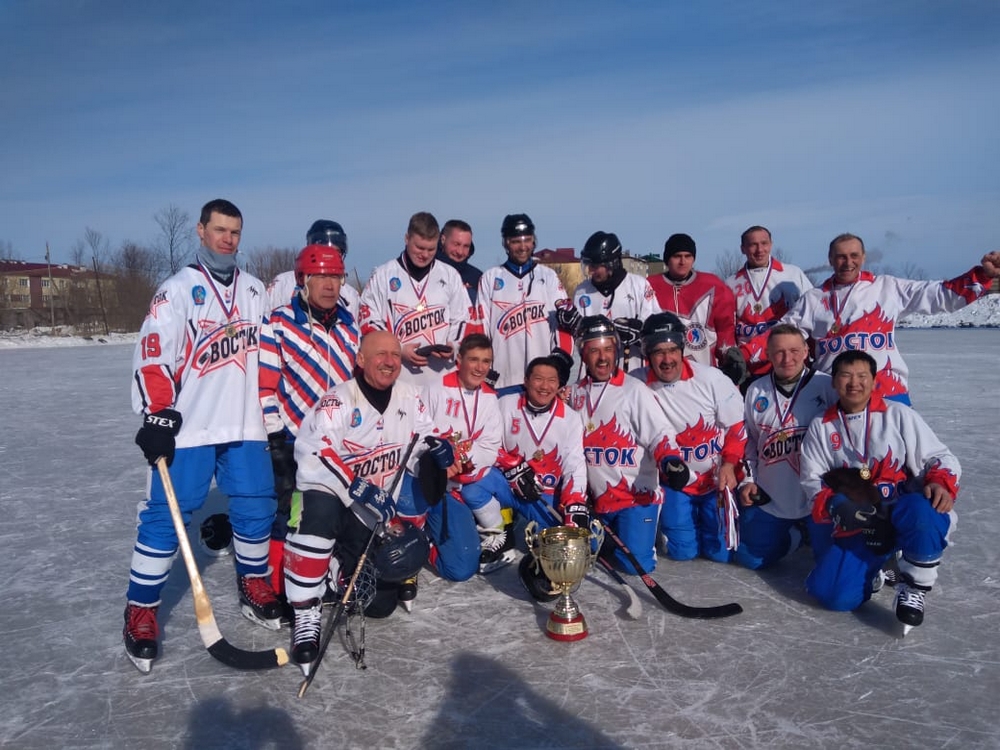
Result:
pixel 560 628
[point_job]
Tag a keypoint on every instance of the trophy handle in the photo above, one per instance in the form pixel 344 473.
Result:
pixel 596 539
pixel 531 538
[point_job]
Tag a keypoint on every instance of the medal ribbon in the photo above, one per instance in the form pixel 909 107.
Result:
pixel 837 307
pixel 227 309
pixel 783 418
pixel 592 409
pixel 419 292
pixel 470 424
pixel 527 422
pixel 862 454
pixel 753 290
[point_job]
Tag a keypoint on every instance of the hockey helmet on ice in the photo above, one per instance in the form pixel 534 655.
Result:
pixel 660 328
pixel 326 232
pixel 401 553
pixel 316 259
pixel 216 535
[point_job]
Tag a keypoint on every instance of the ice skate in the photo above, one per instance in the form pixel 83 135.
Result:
pixel 306 634
pixel 408 593
pixel 259 603
pixel 910 605
pixel 141 632
pixel 883 577
pixel 497 548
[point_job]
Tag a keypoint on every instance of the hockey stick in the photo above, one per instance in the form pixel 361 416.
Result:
pixel 669 603
pixel 217 646
pixel 331 625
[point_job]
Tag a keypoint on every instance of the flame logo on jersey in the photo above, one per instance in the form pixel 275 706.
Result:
pixel 548 468
pixel 873 331
pixel 521 317
pixel 378 465
pixel 887 383
pixel 622 495
pixel 413 324
pixel 225 344
pixel 609 446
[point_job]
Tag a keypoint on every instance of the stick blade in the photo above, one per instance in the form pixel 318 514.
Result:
pixel 237 658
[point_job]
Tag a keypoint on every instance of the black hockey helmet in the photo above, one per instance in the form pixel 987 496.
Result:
pixel 592 327
pixel 564 365
pixel 662 327
pixel 401 553
pixel 216 535
pixel 516 225
pixel 603 249
pixel 326 232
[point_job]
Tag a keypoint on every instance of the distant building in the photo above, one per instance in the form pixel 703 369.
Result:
pixel 33 295
pixel 567 265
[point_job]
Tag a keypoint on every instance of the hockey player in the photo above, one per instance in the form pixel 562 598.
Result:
pixel 348 450
pixel 623 429
pixel 195 383
pixel 422 302
pixel 765 289
pixel 704 412
pixel 857 310
pixel 465 411
pixel 307 347
pixel 609 290
pixel 517 306
pixel 322 232
pixel 704 304
pixel 779 407
pixel 882 478
pixel 455 249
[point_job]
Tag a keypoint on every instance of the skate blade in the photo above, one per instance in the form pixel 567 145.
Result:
pixel 143 665
pixel 501 562
pixel 407 605
pixel 249 613
pixel 907 629
pixel 306 668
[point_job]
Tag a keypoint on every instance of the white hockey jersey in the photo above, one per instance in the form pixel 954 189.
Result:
pixel 704 412
pixel 889 439
pixel 435 310
pixel 470 420
pixel 776 423
pixel 623 429
pixel 198 353
pixel 634 298
pixel 519 314
pixel 344 437
pixel 283 288
pixel 551 442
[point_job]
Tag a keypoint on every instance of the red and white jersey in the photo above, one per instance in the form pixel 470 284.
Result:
pixel 623 428
pixel 633 298
pixel 863 316
pixel 198 353
pixel 889 439
pixel 300 361
pixel 470 420
pixel 706 306
pixel 345 437
pixel 434 310
pixel 763 295
pixel 776 421
pixel 519 315
pixel 552 444
pixel 283 288
pixel 704 412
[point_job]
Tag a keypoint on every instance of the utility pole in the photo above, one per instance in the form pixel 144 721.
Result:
pixel 52 289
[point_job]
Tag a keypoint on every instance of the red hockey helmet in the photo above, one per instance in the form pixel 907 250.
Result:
pixel 316 259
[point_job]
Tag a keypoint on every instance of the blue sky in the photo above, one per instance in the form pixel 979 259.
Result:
pixel 642 118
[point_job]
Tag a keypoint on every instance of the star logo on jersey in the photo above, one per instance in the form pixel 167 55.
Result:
pixel 777 445
pixel 520 317
pixel 377 465
pixel 697 335
pixel 330 403
pixel 158 301
pixel 414 324
pixel 225 344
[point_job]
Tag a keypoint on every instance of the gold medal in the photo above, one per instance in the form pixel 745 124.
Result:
pixel 230 331
pixel 420 306
pixel 865 473
pixel 591 427
pixel 783 436
pixel 538 455
pixel 758 308
pixel 834 329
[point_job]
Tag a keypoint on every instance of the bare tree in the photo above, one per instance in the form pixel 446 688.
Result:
pixel 267 262
pixel 137 271
pixel 7 250
pixel 911 270
pixel 728 263
pixel 176 237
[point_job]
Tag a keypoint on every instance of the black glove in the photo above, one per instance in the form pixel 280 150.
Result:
pixel 880 536
pixel 282 452
pixel 567 316
pixel 674 473
pixel 492 376
pixel 156 436
pixel 370 503
pixel 564 365
pixel 441 451
pixel 629 330
pixel 577 515
pixel 733 365
pixel 522 481
pixel 760 497
pixel 849 515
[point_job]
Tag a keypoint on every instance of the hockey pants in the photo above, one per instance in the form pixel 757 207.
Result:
pixel 691 525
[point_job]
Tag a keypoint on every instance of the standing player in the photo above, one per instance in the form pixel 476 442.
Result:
pixel 623 428
pixel 704 304
pixel 195 383
pixel 779 407
pixel 322 232
pixel 609 290
pixel 455 249
pixel 900 498
pixel 704 412
pixel 421 302
pixel 517 305
pixel 857 310
pixel 765 289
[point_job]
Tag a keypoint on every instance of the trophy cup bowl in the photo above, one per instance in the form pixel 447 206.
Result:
pixel 565 554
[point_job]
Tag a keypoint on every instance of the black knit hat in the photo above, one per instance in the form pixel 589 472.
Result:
pixel 678 243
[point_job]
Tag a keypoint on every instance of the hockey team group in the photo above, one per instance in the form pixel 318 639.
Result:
pixel 362 438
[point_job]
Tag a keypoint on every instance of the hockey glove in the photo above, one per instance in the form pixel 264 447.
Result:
pixel 733 365
pixel 577 515
pixel 441 451
pixel 157 435
pixel 492 376
pixel 282 452
pixel 567 316
pixel 564 365
pixel 372 505
pixel 760 497
pixel 629 330
pixel 522 481
pixel 849 515
pixel 674 473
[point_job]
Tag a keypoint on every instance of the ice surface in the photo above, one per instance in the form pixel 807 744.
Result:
pixel 471 667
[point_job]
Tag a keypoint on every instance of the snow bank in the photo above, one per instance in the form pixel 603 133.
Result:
pixel 45 336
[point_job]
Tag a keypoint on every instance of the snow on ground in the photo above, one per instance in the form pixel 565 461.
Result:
pixel 471 666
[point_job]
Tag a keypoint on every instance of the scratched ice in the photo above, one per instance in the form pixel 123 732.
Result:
pixel 471 667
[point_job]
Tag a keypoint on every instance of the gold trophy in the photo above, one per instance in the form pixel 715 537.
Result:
pixel 565 554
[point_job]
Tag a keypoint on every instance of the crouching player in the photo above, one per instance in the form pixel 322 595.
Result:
pixel 899 498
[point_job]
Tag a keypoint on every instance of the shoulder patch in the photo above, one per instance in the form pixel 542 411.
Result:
pixel 395 284
pixel 198 294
